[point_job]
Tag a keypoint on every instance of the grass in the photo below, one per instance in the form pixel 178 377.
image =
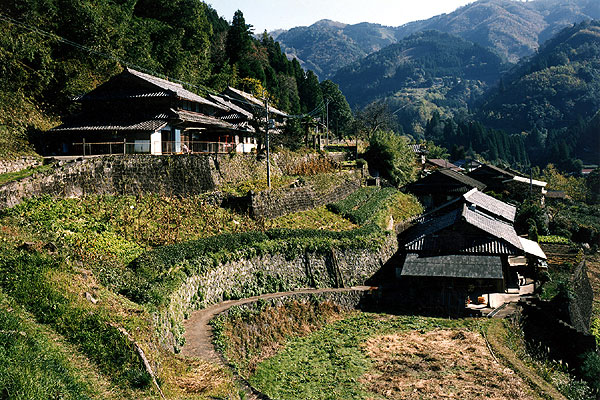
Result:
pixel 31 365
pixel 318 218
pixel 27 278
pixel 371 204
pixel 247 337
pixel 329 363
pixel 24 173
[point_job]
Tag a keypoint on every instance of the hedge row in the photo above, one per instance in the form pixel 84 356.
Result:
pixel 158 273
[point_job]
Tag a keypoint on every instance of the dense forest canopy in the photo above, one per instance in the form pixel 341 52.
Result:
pixel 53 50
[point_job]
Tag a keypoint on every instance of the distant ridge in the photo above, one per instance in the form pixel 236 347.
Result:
pixel 511 28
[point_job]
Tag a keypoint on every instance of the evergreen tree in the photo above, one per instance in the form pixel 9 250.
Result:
pixel 340 114
pixel 239 38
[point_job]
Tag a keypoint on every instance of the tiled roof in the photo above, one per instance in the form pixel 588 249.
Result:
pixel 492 226
pixel 453 266
pixel 144 125
pixel 491 205
pixel 176 88
pixel 502 237
pixel 462 178
pixel 191 116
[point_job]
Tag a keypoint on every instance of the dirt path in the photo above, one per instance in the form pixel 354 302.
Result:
pixel 198 332
pixel 495 335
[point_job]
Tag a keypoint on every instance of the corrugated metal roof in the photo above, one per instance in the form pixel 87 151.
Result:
pixel 532 248
pixel 442 163
pixel 190 116
pixel 522 179
pixel 491 204
pixel 238 110
pixel 255 101
pixel 462 178
pixel 453 266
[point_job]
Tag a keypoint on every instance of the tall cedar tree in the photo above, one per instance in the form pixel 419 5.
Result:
pixel 239 38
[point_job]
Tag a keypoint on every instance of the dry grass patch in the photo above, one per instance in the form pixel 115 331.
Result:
pixel 197 379
pixel 439 364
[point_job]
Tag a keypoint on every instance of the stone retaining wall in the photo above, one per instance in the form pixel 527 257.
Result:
pixel 19 164
pixel 334 269
pixel 135 174
pixel 346 300
pixel 278 202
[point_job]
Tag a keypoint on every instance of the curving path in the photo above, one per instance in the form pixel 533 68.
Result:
pixel 198 333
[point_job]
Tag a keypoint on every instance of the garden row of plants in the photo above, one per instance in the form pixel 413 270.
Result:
pixel 155 275
pixel 373 204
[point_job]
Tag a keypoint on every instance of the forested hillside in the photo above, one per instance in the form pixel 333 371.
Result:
pixel 425 73
pixel 327 46
pixel 424 60
pixel 513 29
pixel 554 95
pixel 52 50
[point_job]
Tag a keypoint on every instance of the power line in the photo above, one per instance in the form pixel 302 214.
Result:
pixel 137 67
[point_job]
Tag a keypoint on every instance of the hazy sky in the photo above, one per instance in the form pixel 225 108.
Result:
pixel 274 14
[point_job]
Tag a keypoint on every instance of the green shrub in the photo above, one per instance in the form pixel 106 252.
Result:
pixel 553 239
pixel 378 202
pixel 590 370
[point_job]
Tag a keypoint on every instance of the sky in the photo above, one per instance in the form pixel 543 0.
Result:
pixel 286 14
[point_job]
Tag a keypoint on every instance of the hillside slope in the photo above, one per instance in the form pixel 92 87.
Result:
pixel 422 60
pixel 320 46
pixel 512 28
pixel 556 93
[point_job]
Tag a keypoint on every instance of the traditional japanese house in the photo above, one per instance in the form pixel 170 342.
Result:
pixel 433 164
pixel 500 180
pixel 493 177
pixel 441 186
pixel 135 112
pixel 462 251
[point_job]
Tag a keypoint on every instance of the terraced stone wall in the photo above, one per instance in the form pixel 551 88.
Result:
pixel 247 278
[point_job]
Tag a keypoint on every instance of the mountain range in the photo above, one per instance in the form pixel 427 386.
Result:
pixel 513 29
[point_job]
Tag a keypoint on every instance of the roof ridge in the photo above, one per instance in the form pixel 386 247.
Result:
pixel 146 76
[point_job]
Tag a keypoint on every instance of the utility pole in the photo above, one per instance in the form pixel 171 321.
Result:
pixel 327 122
pixel 267 142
